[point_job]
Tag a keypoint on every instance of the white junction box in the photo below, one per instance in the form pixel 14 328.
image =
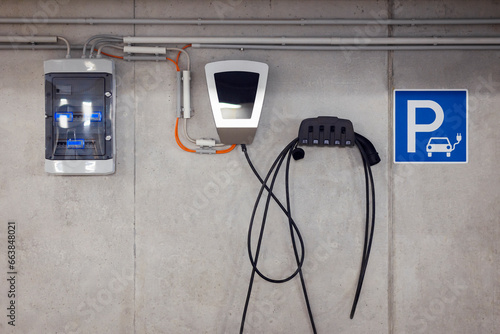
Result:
pixel 80 116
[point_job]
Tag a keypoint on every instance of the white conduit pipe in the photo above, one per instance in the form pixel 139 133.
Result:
pixel 299 22
pixel 178 109
pixel 37 47
pixel 315 40
pixel 68 47
pixel 145 49
pixel 275 47
pixel 243 47
pixel 186 94
pixel 97 37
pixel 99 51
pixel 144 58
pixel 154 58
pixel 184 52
pixel 28 39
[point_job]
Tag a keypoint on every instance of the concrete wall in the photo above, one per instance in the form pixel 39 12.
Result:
pixel 160 246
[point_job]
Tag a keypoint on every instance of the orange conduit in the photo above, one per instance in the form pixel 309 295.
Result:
pixel 178 140
pixel 181 145
pixel 110 55
pixel 226 150
pixel 176 64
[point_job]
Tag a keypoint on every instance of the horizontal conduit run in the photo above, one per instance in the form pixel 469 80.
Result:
pixel 28 39
pixel 299 22
pixel 37 47
pixel 278 47
pixel 316 40
pixel 347 47
pixel 157 45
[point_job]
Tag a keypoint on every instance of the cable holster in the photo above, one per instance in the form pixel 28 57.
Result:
pixel 326 131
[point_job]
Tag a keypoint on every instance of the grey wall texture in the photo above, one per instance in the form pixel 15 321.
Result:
pixel 160 246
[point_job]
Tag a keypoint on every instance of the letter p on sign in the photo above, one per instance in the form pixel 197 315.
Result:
pixel 413 127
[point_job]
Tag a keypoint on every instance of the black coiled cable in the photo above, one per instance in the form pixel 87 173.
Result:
pixel 286 153
pixel 365 149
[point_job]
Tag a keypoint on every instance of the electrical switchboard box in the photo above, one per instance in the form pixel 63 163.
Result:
pixel 80 116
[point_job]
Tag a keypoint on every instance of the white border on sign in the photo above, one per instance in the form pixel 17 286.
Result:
pixel 466 126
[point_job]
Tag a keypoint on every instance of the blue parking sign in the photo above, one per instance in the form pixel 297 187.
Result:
pixel 430 126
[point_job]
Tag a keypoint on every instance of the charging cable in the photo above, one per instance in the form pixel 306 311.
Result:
pixel 369 157
pixel 274 170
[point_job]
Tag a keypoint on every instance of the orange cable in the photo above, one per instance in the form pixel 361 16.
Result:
pixel 109 55
pixel 226 150
pixel 176 65
pixel 178 140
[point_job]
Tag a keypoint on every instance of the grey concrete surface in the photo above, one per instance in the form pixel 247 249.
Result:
pixel 160 246
pixel 446 217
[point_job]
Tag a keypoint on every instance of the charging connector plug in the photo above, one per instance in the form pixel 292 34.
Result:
pixel 459 139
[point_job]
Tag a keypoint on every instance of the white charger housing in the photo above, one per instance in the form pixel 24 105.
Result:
pixel 236 89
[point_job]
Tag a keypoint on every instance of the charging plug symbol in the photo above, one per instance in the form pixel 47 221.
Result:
pixel 442 145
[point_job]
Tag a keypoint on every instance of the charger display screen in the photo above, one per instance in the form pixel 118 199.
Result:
pixel 236 91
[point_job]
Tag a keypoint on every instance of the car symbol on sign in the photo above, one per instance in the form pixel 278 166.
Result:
pixel 439 144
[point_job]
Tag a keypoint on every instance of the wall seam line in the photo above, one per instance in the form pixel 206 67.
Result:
pixel 135 184
pixel 390 184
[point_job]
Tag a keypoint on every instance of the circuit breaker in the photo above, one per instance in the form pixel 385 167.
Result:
pixel 79 116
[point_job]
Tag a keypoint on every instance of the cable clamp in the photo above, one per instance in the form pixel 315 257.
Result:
pixel 206 150
pixel 205 142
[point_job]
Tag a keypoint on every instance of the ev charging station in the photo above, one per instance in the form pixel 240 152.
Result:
pixel 430 126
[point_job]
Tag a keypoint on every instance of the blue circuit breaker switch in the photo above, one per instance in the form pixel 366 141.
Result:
pixel 75 143
pixel 79 116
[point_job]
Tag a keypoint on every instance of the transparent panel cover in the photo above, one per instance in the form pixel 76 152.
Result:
pixel 78 117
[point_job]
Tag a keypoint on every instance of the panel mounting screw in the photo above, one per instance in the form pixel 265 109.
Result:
pixel 108 137
pixel 107 94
